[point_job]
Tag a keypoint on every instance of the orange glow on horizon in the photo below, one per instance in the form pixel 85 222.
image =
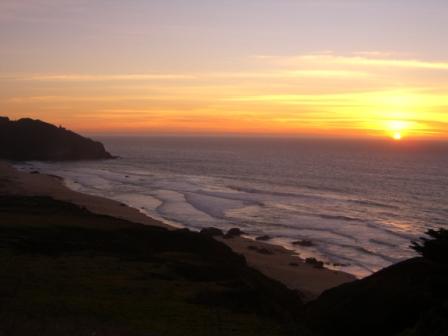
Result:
pixel 326 97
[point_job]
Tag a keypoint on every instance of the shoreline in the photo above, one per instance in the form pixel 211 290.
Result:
pixel 274 261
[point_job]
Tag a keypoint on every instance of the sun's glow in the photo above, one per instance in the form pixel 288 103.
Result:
pixel 398 125
pixel 397 128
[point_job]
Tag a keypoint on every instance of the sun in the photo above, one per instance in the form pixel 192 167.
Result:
pixel 397 129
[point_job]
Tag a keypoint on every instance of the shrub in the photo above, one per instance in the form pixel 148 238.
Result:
pixel 435 247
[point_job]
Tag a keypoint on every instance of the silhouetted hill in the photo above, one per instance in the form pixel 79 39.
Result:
pixel 406 299
pixel 28 139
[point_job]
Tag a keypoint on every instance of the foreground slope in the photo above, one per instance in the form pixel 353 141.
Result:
pixel 66 271
pixel 407 299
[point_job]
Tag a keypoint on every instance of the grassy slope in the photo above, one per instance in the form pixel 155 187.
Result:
pixel 65 271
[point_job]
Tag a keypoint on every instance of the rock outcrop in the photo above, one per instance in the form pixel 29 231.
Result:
pixel 28 140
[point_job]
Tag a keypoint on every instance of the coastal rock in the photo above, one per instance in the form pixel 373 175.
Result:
pixel 340 265
pixel 304 243
pixel 265 251
pixel 263 238
pixel 261 250
pixel 234 232
pixel 212 232
pixel 316 263
pixel 28 139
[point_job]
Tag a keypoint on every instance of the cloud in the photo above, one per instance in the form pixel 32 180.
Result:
pixel 94 98
pixel 363 59
pixel 393 100
pixel 37 10
pixel 98 78
pixel 256 75
pixel 328 74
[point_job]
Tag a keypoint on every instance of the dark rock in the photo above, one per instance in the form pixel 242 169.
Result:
pixel 263 238
pixel 340 265
pixel 304 243
pixel 316 263
pixel 234 232
pixel 264 250
pixel 261 250
pixel 212 232
pixel 294 264
pixel 28 139
pixel 35 172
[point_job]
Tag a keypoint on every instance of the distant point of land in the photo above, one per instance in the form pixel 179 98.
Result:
pixel 35 140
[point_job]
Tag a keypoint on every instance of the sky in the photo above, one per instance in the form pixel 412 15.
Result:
pixel 333 68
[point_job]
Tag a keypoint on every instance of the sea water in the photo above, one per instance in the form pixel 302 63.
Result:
pixel 360 203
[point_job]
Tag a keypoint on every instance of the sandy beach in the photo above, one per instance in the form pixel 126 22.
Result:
pixel 273 261
pixel 13 182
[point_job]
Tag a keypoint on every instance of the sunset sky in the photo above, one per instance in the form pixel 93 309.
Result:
pixel 346 68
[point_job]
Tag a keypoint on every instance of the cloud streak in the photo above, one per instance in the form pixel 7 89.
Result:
pixel 280 74
pixel 99 78
pixel 363 59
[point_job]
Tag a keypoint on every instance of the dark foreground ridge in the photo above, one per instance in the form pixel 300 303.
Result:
pixel 66 271
pixel 28 139
pixel 406 299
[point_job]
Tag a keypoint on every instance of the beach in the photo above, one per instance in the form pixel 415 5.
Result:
pixel 273 261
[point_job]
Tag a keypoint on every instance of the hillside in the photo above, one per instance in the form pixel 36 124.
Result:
pixel 66 271
pixel 406 299
pixel 28 140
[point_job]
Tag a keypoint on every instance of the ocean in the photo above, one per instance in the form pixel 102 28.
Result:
pixel 360 203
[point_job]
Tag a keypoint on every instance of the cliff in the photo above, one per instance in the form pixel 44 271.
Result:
pixel 28 140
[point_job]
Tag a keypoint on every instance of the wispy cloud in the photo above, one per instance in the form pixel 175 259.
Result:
pixel 37 10
pixel 392 98
pixel 366 59
pixel 341 74
pixel 279 74
pixel 99 77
